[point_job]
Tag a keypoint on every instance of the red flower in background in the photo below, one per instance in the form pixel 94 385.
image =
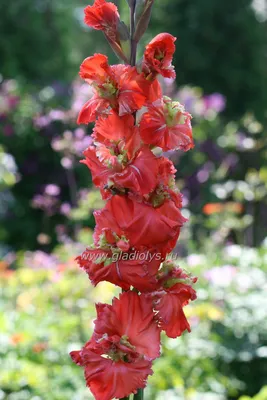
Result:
pixel 167 125
pixel 118 87
pixel 102 16
pixel 117 360
pixel 158 56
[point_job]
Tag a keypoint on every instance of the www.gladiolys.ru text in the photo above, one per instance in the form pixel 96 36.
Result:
pixel 123 256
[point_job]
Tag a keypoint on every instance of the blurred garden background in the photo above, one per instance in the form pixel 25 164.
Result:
pixel 47 198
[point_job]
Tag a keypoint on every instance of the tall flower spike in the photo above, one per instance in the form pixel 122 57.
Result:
pixel 141 221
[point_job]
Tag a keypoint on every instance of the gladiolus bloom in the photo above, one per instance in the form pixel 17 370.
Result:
pixel 175 293
pixel 166 188
pixel 141 224
pixel 102 16
pixel 118 130
pixel 117 360
pixel 167 125
pixel 117 172
pixel 124 268
pixel 118 87
pixel 120 162
pixel 158 56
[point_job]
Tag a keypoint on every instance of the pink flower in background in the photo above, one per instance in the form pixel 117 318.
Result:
pixel 221 276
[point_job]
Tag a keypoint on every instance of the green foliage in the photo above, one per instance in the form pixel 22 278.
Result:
pixel 260 396
pixel 35 39
pixel 220 47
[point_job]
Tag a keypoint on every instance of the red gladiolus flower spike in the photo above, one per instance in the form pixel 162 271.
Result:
pixel 141 221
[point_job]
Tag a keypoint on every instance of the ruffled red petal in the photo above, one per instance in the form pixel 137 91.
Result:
pixel 92 108
pixel 131 316
pixel 142 224
pixel 95 69
pixel 108 379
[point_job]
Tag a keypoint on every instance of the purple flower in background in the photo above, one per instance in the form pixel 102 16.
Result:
pixel 45 203
pixel 71 144
pixel 67 163
pixel 40 260
pixel 42 121
pixel 13 101
pixel 206 107
pixel 191 99
pixel 81 141
pixel 7 103
pixel 65 209
pixel 52 190
pixel 81 93
pixel 215 102
pixel 204 172
pixel 48 201
pixel 57 115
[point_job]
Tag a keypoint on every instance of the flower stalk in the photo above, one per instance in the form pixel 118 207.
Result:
pixel 141 221
pixel 132 33
pixel 139 395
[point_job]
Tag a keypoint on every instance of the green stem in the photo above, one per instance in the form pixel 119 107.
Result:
pixel 139 395
pixel 132 31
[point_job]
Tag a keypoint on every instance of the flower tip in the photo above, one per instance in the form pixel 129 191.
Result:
pixel 76 357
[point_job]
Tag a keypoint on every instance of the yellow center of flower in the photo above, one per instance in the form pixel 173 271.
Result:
pixel 174 112
pixel 107 89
